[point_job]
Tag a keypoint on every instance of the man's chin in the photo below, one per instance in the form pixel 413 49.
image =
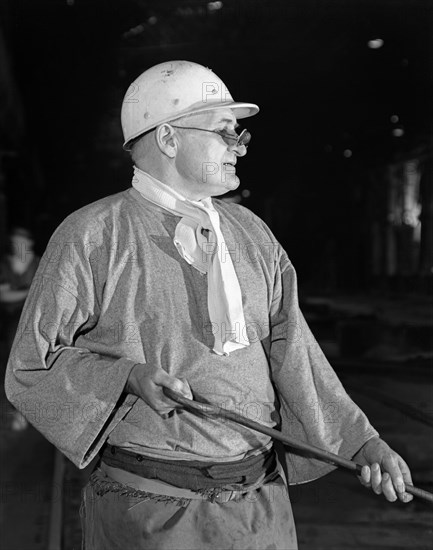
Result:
pixel 232 183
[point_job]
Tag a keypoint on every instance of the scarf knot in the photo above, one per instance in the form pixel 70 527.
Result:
pixel 200 242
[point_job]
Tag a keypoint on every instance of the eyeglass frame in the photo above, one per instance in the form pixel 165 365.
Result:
pixel 223 134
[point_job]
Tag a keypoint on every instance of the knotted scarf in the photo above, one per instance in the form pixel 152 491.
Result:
pixel 200 242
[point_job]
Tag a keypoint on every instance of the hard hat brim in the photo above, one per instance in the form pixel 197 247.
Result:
pixel 240 110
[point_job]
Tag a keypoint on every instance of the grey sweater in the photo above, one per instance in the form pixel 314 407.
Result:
pixel 112 291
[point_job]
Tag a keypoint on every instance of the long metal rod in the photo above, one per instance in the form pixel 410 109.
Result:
pixel 321 454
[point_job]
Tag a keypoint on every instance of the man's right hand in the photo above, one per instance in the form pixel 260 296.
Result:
pixel 147 382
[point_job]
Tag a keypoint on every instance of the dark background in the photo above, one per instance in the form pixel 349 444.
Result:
pixel 320 165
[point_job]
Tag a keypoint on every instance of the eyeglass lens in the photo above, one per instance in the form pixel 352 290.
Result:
pixel 242 139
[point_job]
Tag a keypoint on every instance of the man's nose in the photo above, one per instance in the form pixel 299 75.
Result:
pixel 239 150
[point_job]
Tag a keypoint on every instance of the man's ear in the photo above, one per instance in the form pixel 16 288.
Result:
pixel 166 141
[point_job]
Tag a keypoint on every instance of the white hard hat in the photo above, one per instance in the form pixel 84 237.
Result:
pixel 171 90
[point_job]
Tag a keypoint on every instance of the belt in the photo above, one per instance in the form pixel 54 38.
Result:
pixel 194 475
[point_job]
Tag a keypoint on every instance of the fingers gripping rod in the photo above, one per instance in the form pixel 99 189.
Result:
pixel 321 454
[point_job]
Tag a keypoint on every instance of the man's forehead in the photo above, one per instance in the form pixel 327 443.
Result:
pixel 224 116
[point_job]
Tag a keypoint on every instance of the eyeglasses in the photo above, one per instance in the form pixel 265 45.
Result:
pixel 239 139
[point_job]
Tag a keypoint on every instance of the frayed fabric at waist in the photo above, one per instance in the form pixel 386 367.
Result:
pixel 113 480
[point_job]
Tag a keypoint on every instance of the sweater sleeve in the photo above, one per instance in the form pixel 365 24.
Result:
pixel 314 407
pixel 72 395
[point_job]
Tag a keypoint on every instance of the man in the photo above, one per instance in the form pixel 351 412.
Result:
pixel 161 286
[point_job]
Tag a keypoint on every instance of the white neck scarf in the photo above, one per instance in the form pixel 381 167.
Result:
pixel 208 255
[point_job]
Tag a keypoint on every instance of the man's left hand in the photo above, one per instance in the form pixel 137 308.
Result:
pixel 384 470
